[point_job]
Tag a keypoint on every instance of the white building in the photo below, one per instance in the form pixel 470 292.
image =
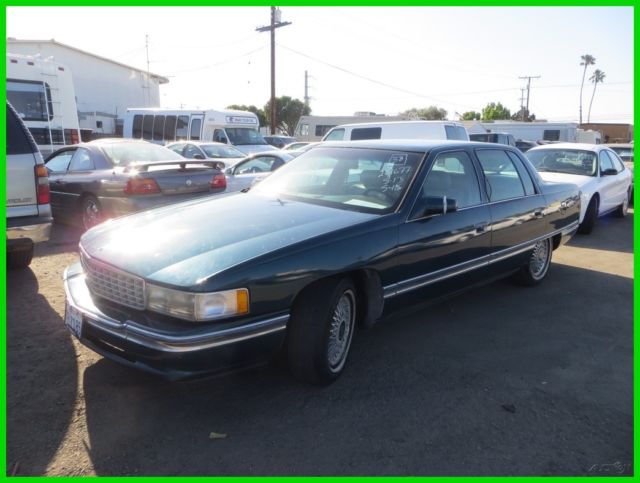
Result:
pixel 104 88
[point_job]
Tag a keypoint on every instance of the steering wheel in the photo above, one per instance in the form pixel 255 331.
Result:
pixel 376 193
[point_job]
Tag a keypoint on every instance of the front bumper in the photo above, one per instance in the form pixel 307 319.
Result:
pixel 174 354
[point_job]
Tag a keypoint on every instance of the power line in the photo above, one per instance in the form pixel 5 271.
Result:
pixel 209 66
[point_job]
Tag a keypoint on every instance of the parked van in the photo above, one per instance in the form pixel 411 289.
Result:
pixel 313 128
pixel 398 130
pixel 42 93
pixel 161 126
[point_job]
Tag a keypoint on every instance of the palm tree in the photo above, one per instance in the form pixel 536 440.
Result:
pixel 587 60
pixel 598 76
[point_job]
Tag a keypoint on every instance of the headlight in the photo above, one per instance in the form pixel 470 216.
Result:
pixel 197 306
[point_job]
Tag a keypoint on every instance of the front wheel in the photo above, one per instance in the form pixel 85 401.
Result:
pixel 536 268
pixel 321 329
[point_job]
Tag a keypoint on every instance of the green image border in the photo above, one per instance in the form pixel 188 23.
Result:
pixel 298 3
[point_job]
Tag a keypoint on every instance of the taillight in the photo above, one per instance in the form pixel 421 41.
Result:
pixel 141 186
pixel 219 181
pixel 75 137
pixel 42 185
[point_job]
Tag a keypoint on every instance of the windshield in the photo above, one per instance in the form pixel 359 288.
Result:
pixel 221 151
pixel 569 161
pixel 242 136
pixel 125 153
pixel 357 179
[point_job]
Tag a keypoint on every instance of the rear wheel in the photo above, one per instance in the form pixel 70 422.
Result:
pixel 91 212
pixel 21 257
pixel 622 210
pixel 536 268
pixel 590 217
pixel 322 324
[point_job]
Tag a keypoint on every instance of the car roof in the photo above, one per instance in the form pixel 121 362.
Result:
pixel 197 143
pixel 575 146
pixel 421 145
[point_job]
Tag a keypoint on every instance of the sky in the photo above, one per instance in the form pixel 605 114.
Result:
pixel 376 59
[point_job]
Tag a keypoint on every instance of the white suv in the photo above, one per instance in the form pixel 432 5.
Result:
pixel 28 209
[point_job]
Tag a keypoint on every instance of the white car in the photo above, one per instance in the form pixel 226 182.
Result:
pixel 208 150
pixel 598 171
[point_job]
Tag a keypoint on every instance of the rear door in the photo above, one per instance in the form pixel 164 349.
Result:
pixel 517 207
pixel 57 166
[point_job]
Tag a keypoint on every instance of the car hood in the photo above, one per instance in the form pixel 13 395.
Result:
pixel 580 181
pixel 185 244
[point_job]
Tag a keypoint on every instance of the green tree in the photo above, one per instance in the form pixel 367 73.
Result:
pixel 524 115
pixel 494 112
pixel 597 77
pixel 288 113
pixel 262 118
pixel 587 60
pixel 431 113
pixel 470 116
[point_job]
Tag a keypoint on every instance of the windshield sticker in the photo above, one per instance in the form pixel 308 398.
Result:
pixel 399 158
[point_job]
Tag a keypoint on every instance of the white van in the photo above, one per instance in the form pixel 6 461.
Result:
pixel 398 130
pixel 162 126
pixel 42 93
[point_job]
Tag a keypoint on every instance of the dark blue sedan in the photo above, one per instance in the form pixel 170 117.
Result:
pixel 333 239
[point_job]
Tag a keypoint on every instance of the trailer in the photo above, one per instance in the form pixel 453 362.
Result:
pixel 43 95
pixel 530 131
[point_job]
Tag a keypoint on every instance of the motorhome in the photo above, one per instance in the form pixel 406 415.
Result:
pixel 314 128
pixel 161 126
pixel 43 95
pixel 398 130
pixel 532 131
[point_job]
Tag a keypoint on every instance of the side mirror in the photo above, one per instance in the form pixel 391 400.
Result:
pixel 609 172
pixel 439 205
pixel 198 156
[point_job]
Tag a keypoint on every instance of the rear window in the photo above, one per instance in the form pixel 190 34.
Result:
pixel 17 138
pixel 457 133
pixel 361 133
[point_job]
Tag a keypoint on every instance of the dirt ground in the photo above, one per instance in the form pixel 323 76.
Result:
pixel 499 381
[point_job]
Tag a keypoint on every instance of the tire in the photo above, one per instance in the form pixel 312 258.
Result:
pixel 323 321
pixel 20 258
pixel 590 217
pixel 537 267
pixel 90 212
pixel 622 210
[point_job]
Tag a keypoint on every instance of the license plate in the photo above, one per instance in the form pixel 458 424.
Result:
pixel 73 320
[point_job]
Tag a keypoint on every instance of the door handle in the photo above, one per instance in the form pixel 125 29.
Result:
pixel 480 227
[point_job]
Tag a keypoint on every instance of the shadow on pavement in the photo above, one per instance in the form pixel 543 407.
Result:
pixel 606 235
pixel 42 376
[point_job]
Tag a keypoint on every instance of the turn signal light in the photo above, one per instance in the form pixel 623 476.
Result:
pixel 219 181
pixel 141 186
pixel 42 185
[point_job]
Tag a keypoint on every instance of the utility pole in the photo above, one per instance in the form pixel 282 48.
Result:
pixel 529 77
pixel 275 23
pixel 306 88
pixel 522 103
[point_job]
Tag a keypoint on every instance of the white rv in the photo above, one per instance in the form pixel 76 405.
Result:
pixel 398 130
pixel 161 126
pixel 531 131
pixel 42 93
pixel 313 128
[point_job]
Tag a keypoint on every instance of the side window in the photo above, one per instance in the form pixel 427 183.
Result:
pixel 617 163
pixel 182 126
pixel 529 189
pixel 17 139
pixel 137 126
pixel 195 129
pixel 304 130
pixel 322 129
pixel 170 128
pixel 503 180
pixel 81 161
pixel 260 164
pixel 147 127
pixel 366 133
pixel 452 175
pixel 605 162
pixel 60 163
pixel 219 136
pixel 456 132
pixel 335 135
pixel 158 128
pixel 551 135
pixel 190 151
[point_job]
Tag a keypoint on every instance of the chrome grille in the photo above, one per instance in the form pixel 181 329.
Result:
pixel 113 284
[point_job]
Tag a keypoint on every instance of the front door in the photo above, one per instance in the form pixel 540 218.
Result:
pixel 195 127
